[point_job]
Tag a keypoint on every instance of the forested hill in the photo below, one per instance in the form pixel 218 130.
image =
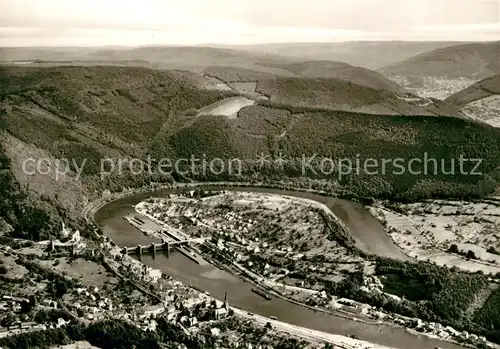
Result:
pixel 90 113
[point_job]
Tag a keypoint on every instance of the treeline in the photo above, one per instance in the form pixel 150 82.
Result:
pixel 416 158
pixel 335 232
pixel 114 334
pixel 488 317
pixel 21 217
pixel 107 334
pixel 428 292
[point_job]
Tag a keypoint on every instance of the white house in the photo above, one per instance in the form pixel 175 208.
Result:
pixel 154 274
pixel 153 311
pixel 220 313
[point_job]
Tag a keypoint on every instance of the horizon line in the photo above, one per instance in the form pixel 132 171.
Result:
pixel 254 44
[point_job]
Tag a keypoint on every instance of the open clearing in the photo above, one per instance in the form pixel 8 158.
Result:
pixel 228 107
pixel 487 110
pixel 12 270
pixel 90 273
pixel 76 345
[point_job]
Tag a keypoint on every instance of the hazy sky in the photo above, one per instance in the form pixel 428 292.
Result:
pixel 143 22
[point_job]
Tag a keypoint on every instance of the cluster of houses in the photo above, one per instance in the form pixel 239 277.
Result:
pixel 134 266
pixel 14 304
pixel 91 304
pixel 10 303
pixel 147 316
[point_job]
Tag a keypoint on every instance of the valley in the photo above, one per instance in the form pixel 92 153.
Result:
pixel 183 212
pixel 344 254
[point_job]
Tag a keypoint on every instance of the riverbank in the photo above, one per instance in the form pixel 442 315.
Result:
pixel 264 284
pixel 295 314
pixel 342 342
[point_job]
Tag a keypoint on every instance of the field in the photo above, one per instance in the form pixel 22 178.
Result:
pixel 427 231
pixel 487 110
pixel 76 345
pixel 10 270
pixel 89 272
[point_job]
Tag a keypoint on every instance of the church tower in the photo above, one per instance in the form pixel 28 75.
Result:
pixel 226 303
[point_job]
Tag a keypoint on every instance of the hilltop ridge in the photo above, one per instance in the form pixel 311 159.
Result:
pixel 473 60
pixel 93 113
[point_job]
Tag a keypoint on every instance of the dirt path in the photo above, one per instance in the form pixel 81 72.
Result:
pixel 481 298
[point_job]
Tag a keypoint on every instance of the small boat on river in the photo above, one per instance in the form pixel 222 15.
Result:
pixel 261 293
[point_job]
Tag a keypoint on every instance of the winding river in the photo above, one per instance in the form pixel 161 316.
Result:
pixel 368 233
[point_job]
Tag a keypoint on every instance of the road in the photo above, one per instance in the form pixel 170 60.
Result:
pixel 311 335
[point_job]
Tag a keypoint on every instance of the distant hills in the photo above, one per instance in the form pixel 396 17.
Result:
pixel 346 61
pixel 371 55
pixel 160 57
pixel 480 101
pixel 344 87
pixel 343 95
pixel 482 89
pixel 473 61
pixel 91 113
pixel 238 74
pixel 310 69
pixel 367 54
pixel 230 65
pixel 343 71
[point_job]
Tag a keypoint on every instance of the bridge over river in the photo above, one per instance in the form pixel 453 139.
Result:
pixel 165 246
pixel 369 234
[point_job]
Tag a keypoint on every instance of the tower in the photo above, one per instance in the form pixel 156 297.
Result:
pixel 226 303
pixel 52 246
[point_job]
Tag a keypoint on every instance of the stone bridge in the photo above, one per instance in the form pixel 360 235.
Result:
pixel 153 248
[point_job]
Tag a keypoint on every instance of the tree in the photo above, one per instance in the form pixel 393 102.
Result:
pixel 471 254
pixel 8 319
pixel 60 288
pixel 453 249
pixel 26 307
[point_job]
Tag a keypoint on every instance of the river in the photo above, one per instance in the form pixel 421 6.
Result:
pixel 368 233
